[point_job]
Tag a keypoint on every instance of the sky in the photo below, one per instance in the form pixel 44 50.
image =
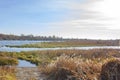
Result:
pixel 91 19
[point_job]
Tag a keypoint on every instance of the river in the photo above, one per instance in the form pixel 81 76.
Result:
pixel 19 42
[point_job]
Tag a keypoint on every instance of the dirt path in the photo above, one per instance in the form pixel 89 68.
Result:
pixel 28 73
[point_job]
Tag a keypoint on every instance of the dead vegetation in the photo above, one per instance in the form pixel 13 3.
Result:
pixel 111 70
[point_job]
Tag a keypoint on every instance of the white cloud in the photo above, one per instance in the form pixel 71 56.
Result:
pixel 91 19
pixel 86 19
pixel 110 10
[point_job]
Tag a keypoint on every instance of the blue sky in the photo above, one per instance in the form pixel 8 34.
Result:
pixel 29 16
pixel 66 18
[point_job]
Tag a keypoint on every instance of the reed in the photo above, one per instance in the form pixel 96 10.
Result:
pixel 66 67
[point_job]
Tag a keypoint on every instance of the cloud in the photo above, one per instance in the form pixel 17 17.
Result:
pixel 92 12
pixel 86 20
pixel 69 18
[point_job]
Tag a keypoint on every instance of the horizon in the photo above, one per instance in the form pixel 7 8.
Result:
pixel 83 19
pixel 58 37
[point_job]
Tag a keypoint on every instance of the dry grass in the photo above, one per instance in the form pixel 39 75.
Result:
pixel 111 70
pixel 72 64
pixel 68 43
pixel 76 68
pixel 7 73
pixel 45 57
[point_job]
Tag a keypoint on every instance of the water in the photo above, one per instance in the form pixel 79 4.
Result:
pixel 8 49
pixel 16 42
pixel 23 63
pixel 3 44
pixel 19 42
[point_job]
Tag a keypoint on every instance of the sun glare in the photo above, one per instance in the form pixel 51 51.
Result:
pixel 110 10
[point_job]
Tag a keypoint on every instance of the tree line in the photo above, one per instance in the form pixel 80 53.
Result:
pixel 55 38
pixel 27 37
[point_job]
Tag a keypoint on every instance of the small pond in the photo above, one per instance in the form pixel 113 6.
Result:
pixel 23 63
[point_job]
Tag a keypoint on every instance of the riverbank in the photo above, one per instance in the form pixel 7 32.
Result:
pixel 54 64
pixel 47 56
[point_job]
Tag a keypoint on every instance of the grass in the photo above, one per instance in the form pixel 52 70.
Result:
pixel 64 64
pixel 7 73
pixel 7 58
pixel 45 57
pixel 74 68
pixel 59 44
pixel 8 61
pixel 111 70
